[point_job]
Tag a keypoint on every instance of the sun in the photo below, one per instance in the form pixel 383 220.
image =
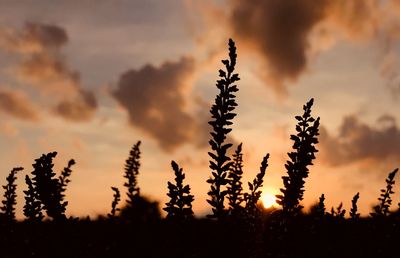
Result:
pixel 268 200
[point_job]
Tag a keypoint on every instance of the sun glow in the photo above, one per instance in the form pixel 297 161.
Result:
pixel 268 200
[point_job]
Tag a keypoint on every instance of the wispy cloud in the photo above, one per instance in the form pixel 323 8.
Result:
pixel 358 142
pixel 44 67
pixel 17 104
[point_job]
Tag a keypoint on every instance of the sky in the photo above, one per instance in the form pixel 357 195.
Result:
pixel 88 79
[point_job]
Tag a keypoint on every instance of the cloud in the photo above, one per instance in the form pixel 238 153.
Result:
pixel 49 74
pixel 357 142
pixel 16 104
pixel 286 33
pixel 278 30
pixel 34 38
pixel 80 109
pixel 44 67
pixel 155 101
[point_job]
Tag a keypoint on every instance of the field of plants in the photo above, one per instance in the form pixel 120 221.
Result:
pixel 237 225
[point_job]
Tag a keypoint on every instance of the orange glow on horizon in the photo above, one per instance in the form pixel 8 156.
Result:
pixel 268 200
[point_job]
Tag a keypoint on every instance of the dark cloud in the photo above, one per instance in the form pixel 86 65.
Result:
pixel 34 38
pixel 44 67
pixel 281 31
pixel 357 141
pixel 16 104
pixel 155 101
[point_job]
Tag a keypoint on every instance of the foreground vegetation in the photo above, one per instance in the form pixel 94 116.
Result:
pixel 236 226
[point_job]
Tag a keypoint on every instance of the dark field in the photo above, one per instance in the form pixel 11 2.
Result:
pixel 305 237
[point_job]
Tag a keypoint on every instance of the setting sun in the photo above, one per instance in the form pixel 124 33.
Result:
pixel 268 200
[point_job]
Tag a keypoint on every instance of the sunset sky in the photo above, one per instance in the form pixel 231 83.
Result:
pixel 88 79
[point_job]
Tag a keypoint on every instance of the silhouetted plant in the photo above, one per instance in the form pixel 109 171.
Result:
pixel 252 198
pixel 234 190
pixel 114 204
pixel 385 199
pixel 339 213
pixel 63 179
pixel 132 166
pixel 180 205
pixel 222 115
pixel 10 195
pixel 319 209
pixel 300 159
pixel 138 208
pixel 47 187
pixel 354 209
pixel 32 207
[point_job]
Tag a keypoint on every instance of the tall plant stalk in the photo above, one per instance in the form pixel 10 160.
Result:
pixel 222 116
pixel 300 158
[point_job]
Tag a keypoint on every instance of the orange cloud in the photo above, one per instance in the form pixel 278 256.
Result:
pixel 49 74
pixel 44 67
pixel 33 38
pixel 16 103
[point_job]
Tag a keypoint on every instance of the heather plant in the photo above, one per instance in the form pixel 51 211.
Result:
pixel 318 210
pixel 222 115
pixel 252 198
pixel 47 187
pixel 234 189
pixel 114 204
pixel 33 207
pixel 302 157
pixel 63 179
pixel 338 213
pixel 180 205
pixel 385 199
pixel 354 209
pixel 10 195
pixel 137 208
pixel 132 166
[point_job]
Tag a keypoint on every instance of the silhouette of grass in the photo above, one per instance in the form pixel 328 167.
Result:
pixel 338 213
pixel 354 209
pixel 180 205
pixel 235 194
pixel 114 204
pixel 222 115
pixel 63 179
pixel 10 195
pixel 252 198
pixel 137 230
pixel 300 159
pixel 132 166
pixel 137 207
pixel 47 188
pixel 318 210
pixel 385 200
pixel 32 207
